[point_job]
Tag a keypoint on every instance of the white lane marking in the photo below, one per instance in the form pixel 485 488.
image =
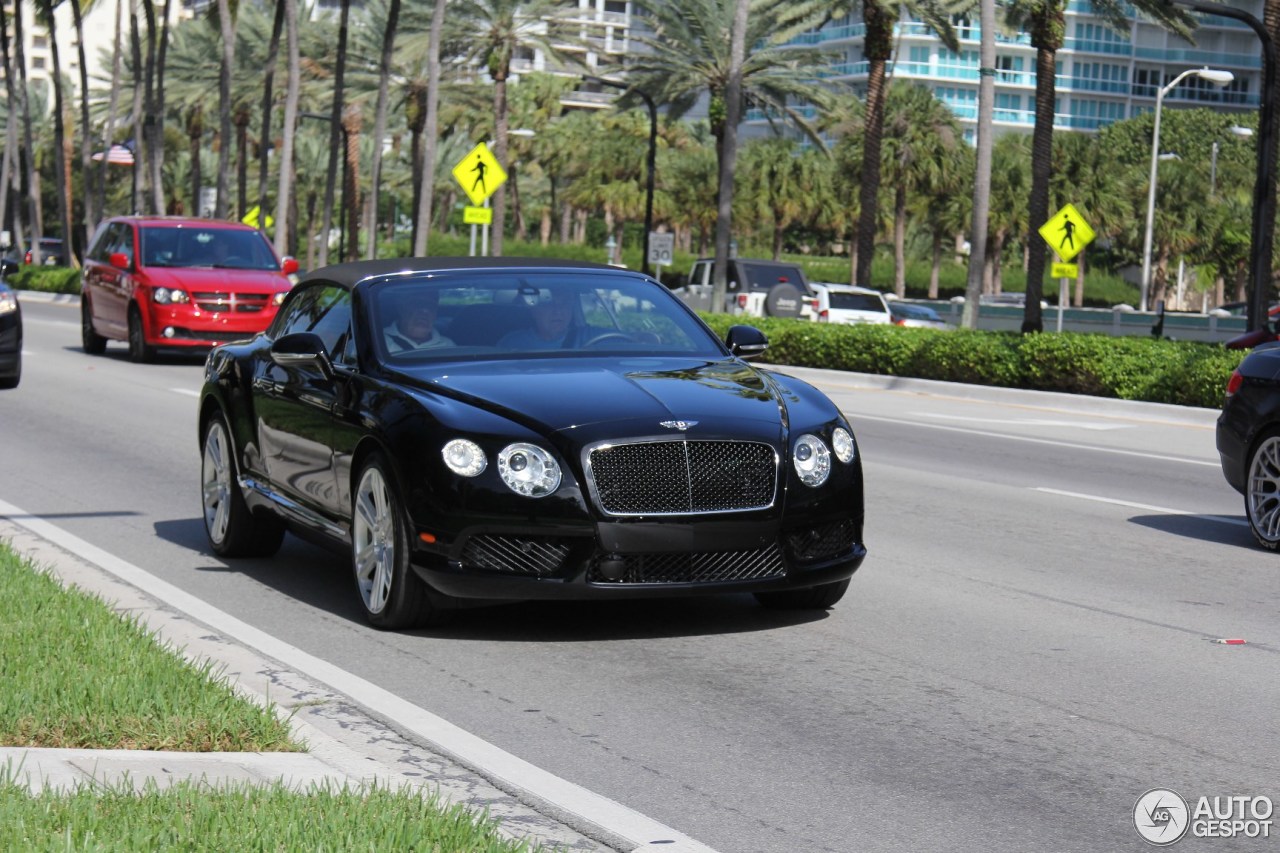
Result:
pixel 1164 510
pixel 38 321
pixel 643 832
pixel 186 391
pixel 1007 437
pixel 1029 422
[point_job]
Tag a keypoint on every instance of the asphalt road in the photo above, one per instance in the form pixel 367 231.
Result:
pixel 1023 654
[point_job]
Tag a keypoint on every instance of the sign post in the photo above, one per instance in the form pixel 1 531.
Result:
pixel 662 247
pixel 1067 233
pixel 479 174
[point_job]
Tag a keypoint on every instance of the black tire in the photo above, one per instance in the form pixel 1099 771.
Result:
pixel 232 529
pixel 814 598
pixel 91 341
pixel 1262 490
pixel 139 350
pixel 12 381
pixel 390 591
pixel 783 301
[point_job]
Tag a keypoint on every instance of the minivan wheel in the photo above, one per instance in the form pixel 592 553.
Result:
pixel 92 342
pixel 139 350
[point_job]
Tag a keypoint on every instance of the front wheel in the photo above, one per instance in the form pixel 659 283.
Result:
pixel 821 597
pixel 1262 491
pixel 233 530
pixel 139 350
pixel 92 342
pixel 392 594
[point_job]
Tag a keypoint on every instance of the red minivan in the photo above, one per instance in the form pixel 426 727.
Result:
pixel 174 282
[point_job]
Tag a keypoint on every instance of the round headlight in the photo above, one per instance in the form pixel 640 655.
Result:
pixel 161 295
pixel 812 460
pixel 528 470
pixel 278 299
pixel 842 444
pixel 464 458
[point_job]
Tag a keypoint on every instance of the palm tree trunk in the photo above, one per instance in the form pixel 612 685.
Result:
pixel 268 96
pixel 982 172
pixel 157 124
pixel 61 145
pixel 431 131
pixel 286 219
pixel 86 139
pixel 227 26
pixel 351 125
pixel 113 100
pixel 335 125
pixel 26 152
pixel 380 125
pixel 728 152
pixel 900 239
pixel 1047 33
pixel 500 152
pixel 415 108
pixel 241 122
pixel 139 143
pixel 195 133
pixel 878 47
pixel 154 147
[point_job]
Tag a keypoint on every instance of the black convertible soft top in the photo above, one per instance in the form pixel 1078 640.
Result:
pixel 350 274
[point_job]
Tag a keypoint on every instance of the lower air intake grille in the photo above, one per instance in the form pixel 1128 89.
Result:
pixel 705 567
pixel 680 477
pixel 821 542
pixel 515 555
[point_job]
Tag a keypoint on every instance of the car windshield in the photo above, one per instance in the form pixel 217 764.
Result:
pixel 191 246
pixel 521 313
pixel 856 301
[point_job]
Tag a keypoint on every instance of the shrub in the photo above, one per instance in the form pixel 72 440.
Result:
pixel 46 279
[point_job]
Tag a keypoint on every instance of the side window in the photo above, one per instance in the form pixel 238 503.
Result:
pixel 121 240
pixel 99 241
pixel 699 273
pixel 322 309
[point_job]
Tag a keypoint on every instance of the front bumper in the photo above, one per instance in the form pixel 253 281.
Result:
pixel 645 559
pixel 188 326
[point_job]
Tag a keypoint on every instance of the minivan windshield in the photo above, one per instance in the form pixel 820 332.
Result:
pixel 217 248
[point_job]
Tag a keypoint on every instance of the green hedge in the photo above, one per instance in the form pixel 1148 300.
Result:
pixel 1184 373
pixel 46 279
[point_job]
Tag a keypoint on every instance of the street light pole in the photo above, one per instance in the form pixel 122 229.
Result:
pixel 651 159
pixel 1219 78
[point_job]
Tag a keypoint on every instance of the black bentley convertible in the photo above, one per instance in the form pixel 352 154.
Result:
pixel 518 429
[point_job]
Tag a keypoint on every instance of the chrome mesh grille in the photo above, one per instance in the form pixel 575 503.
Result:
pixel 222 302
pixel 518 555
pixel 678 477
pixel 704 567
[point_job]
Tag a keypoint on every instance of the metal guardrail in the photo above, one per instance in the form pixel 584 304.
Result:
pixel 1103 321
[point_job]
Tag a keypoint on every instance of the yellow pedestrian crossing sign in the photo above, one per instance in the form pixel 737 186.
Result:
pixel 479 174
pixel 255 219
pixel 1067 232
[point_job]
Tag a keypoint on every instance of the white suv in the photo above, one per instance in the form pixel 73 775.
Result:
pixel 756 288
pixel 845 303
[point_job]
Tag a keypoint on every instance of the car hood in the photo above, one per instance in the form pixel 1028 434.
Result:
pixel 204 278
pixel 554 395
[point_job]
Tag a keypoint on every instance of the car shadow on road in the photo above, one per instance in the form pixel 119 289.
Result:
pixel 1221 529
pixel 120 353
pixel 321 578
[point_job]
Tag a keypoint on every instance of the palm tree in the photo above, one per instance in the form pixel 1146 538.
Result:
pixel 335 125
pixel 431 117
pixel 1010 191
pixel 500 30
pixel 691 54
pixel 86 139
pixel 286 224
pixel 61 145
pixel 380 121
pixel 1045 20
pixel 879 17
pixel 268 99
pixel 226 26
pixel 919 132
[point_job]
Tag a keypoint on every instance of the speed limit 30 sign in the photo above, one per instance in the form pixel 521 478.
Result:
pixel 662 246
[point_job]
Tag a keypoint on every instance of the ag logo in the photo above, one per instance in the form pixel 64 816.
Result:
pixel 1161 817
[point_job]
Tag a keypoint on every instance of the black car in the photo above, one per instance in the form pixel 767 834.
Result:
pixel 10 337
pixel 1249 440
pixel 520 429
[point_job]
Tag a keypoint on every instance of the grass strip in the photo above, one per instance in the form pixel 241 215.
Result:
pixel 194 817
pixel 77 674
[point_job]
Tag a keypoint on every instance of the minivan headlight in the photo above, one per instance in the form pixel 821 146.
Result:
pixel 165 296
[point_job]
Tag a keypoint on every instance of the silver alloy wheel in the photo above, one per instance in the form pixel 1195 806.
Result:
pixel 373 536
pixel 215 476
pixel 1262 498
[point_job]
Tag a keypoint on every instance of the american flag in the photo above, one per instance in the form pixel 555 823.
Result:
pixel 120 155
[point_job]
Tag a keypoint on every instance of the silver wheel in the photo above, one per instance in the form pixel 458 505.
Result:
pixel 1262 492
pixel 215 477
pixel 374 540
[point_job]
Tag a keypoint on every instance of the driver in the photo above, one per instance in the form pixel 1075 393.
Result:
pixel 413 328
pixel 552 323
